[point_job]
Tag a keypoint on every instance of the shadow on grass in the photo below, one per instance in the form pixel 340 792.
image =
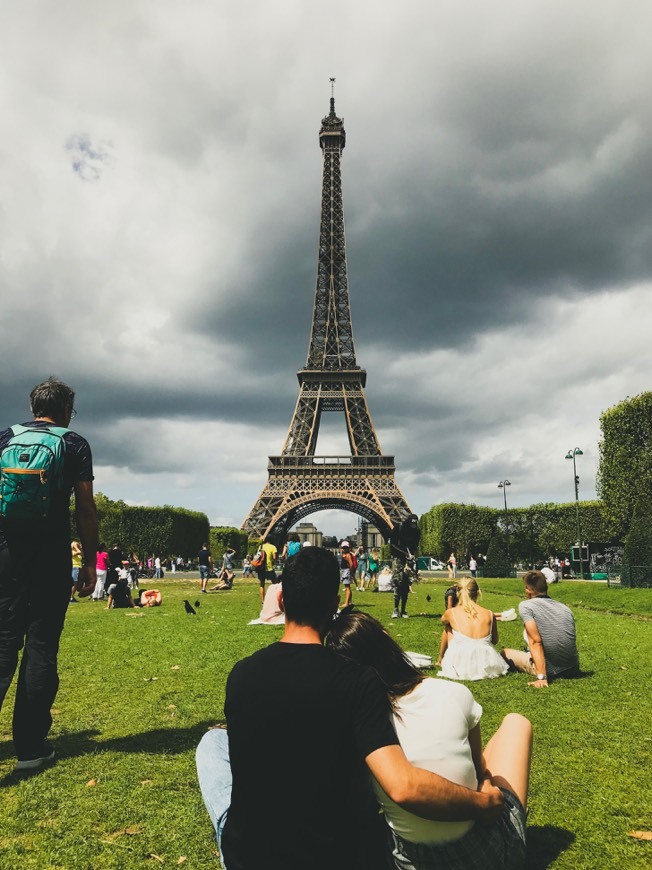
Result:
pixel 164 741
pixel 545 843
pixel 425 616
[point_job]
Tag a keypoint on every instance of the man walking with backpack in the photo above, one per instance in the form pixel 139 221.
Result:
pixel 41 464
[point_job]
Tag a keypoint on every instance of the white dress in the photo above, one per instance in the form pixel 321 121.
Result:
pixel 468 658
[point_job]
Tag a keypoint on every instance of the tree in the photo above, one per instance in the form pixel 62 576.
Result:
pixel 637 558
pixel 222 537
pixel 464 528
pixel 163 530
pixel 625 470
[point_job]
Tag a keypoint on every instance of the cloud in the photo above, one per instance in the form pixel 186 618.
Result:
pixel 88 160
pixel 497 191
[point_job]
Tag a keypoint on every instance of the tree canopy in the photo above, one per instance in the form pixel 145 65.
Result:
pixel 625 470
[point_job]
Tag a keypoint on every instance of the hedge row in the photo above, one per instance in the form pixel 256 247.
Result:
pixel 535 532
pixel 222 537
pixel 164 531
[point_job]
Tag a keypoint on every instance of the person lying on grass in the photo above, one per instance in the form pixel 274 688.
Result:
pixel 305 801
pixel 437 723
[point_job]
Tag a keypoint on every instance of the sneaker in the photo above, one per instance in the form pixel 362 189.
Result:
pixel 204 591
pixel 73 601
pixel 395 614
pixel 36 761
pixel 404 616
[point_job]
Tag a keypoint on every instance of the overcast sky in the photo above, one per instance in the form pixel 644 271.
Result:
pixel 160 182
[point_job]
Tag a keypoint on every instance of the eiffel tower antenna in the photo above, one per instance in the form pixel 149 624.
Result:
pixel 299 482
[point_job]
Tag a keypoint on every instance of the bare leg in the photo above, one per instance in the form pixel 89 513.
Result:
pixel 347 596
pixel 443 647
pixel 508 754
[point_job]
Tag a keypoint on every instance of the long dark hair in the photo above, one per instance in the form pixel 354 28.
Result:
pixel 363 639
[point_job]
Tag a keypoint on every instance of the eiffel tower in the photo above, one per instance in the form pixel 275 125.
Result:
pixel 300 482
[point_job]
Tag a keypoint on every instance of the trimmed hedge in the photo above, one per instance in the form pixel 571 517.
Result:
pixel 164 531
pixel 222 537
pixel 637 558
pixel 535 532
pixel 625 471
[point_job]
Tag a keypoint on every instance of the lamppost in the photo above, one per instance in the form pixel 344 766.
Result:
pixel 503 485
pixel 572 453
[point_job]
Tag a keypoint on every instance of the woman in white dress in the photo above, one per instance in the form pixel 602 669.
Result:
pixel 437 724
pixel 467 650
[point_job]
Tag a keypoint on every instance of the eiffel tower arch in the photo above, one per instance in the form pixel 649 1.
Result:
pixel 300 482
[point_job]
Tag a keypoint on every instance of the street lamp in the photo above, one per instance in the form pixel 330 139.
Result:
pixel 503 485
pixel 572 453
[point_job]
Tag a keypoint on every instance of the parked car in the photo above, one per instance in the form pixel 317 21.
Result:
pixel 427 563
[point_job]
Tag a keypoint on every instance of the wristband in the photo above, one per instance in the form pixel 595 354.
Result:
pixel 542 677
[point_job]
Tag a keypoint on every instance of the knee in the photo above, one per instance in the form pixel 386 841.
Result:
pixel 214 743
pixel 518 725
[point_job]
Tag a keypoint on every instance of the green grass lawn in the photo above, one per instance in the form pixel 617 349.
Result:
pixel 140 687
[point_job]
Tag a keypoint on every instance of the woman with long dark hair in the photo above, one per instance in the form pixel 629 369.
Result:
pixel 437 723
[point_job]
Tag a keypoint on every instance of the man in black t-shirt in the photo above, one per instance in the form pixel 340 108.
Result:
pixel 35 571
pixel 205 564
pixel 304 728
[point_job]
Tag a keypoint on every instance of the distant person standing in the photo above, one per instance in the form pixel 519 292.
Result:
pixel 76 554
pixel 102 567
pixel 473 567
pixel 404 542
pixel 452 566
pixel 205 564
pixel 266 570
pixel 347 570
pixel 35 557
pixel 362 556
pixel 374 566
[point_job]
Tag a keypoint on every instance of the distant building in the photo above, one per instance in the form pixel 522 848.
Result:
pixel 310 533
pixel 373 536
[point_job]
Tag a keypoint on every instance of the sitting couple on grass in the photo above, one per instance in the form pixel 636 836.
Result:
pixel 314 731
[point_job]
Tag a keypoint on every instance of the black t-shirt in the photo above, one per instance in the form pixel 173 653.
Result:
pixel 204 556
pixel 301 721
pixel 77 466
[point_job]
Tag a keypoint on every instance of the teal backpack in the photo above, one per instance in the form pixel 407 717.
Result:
pixel 31 472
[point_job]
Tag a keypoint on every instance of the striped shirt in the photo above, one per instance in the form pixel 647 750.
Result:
pixel 556 626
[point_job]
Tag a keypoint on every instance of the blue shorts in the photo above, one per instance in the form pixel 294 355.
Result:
pixel 499 846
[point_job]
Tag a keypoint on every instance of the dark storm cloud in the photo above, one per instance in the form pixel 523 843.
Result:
pixel 498 198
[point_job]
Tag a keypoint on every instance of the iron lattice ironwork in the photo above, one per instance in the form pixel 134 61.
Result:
pixel 300 482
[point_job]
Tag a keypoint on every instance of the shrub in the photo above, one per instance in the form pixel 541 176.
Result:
pixel 637 558
pixel 497 564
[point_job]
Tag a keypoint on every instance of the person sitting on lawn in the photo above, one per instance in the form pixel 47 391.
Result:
pixel 549 633
pixel 306 803
pixel 470 633
pixel 438 724
pixel 119 592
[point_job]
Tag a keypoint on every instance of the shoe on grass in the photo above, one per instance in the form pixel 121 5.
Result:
pixel 395 614
pixel 39 759
pixel 404 616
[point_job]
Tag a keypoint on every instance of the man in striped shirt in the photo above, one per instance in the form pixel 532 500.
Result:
pixel 549 634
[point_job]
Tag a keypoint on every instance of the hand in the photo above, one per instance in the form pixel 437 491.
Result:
pixel 86 581
pixel 491 811
pixel 539 684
